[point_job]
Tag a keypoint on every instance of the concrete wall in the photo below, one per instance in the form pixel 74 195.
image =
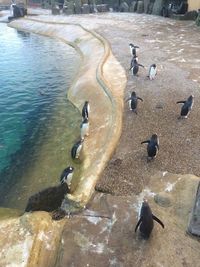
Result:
pixel 193 5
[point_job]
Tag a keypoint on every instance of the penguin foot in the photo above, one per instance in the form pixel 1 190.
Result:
pixel 58 214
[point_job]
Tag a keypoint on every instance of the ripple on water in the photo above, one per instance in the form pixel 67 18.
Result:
pixel 38 124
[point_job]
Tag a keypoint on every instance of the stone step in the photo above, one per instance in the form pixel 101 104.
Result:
pixel 194 224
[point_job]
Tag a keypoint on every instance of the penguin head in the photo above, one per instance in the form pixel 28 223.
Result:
pixel 86 103
pixel 153 65
pixel 133 94
pixel 67 175
pixel 145 210
pixel 131 45
pixel 191 97
pixel 154 136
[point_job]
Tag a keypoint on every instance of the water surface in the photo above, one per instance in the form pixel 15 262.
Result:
pixel 38 125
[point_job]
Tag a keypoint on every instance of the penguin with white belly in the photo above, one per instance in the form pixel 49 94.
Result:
pixel 133 101
pixel 152 72
pixel 84 128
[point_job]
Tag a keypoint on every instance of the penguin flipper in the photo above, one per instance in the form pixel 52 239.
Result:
pixel 147 141
pixel 140 98
pixel 128 99
pixel 179 102
pixel 158 221
pixel 140 65
pixel 138 223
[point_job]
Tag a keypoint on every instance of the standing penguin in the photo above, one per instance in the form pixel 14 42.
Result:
pixel 146 221
pixel 66 176
pixel 84 128
pixel 152 72
pixel 133 49
pixel 76 149
pixel 85 110
pixel 135 66
pixel 153 146
pixel 187 107
pixel 133 101
pixel 51 198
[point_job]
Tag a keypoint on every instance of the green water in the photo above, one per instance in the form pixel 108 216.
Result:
pixel 38 125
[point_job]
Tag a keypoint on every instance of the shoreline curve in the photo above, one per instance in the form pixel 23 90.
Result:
pixel 100 77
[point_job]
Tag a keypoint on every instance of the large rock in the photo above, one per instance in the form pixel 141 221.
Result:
pixel 133 6
pixel 158 7
pixel 68 7
pixel 77 7
pixel 102 8
pixel 29 240
pixel 85 9
pixel 140 7
pixel 146 6
pixel 198 20
pixel 124 7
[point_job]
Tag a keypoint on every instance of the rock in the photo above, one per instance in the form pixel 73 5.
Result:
pixel 150 9
pixel 85 9
pixel 191 15
pixel 69 8
pixel 77 7
pixel 140 7
pixel 146 6
pixel 124 7
pixel 55 10
pixel 198 19
pixel 163 199
pixel 133 6
pixel 157 7
pixel 102 8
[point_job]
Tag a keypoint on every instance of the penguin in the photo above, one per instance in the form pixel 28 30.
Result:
pixel 145 222
pixel 85 110
pixel 133 101
pixel 135 66
pixel 133 49
pixel 152 72
pixel 84 128
pixel 153 146
pixel 76 149
pixel 51 198
pixel 66 176
pixel 187 106
pixel 133 61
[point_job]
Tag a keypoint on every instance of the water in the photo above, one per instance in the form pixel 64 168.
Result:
pixel 38 125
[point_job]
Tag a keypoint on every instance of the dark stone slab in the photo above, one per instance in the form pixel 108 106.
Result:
pixel 194 224
pixel 85 9
pixel 191 15
pixel 102 8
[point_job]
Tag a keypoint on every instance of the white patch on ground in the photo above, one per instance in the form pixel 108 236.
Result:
pixel 45 239
pixel 145 193
pixel 87 245
pixel 170 187
pixel 17 254
pixel 164 173
pixel 94 220
pixel 113 262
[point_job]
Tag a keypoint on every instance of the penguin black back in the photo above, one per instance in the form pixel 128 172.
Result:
pixel 133 49
pixel 133 101
pixel 76 149
pixel 145 222
pixel 153 146
pixel 187 106
pixel 85 110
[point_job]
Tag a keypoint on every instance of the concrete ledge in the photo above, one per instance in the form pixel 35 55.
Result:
pixel 97 82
